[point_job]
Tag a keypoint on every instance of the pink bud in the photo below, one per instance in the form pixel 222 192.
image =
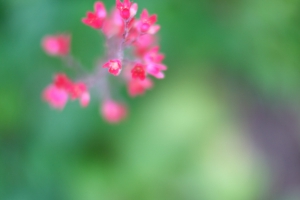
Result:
pixel 113 25
pixel 114 67
pixel 138 87
pixel 77 90
pixel 100 10
pixel 57 98
pixel 113 112
pixel 63 82
pixel 95 19
pixel 56 45
pixel 143 43
pixel 156 70
pixel 153 55
pixel 84 99
pixel 92 20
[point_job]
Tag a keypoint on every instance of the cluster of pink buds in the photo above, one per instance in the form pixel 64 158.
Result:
pixel 132 54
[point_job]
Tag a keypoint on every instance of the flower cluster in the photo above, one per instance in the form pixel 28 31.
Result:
pixel 123 33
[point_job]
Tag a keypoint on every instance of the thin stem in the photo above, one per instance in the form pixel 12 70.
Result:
pixel 72 63
pixel 123 41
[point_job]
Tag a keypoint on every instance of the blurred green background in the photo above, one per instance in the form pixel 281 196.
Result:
pixel 222 125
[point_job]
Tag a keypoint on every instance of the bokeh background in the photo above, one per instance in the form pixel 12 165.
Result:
pixel 223 124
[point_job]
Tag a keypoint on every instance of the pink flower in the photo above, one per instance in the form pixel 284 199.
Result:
pixel 56 97
pixel 138 87
pixel 113 112
pixel 56 45
pixel 63 82
pixel 143 43
pixel 156 70
pixel 146 24
pixel 127 9
pixel 114 25
pixel 153 59
pixel 95 19
pixel 153 56
pixel 114 67
pixel 132 35
pixel 77 90
pixel 138 72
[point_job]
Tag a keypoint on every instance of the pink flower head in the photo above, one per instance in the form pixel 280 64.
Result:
pixel 127 9
pixel 114 67
pixel 113 112
pixel 153 56
pixel 138 87
pixel 156 70
pixel 56 97
pixel 95 19
pixel 131 52
pixel 146 24
pixel 57 45
pixel 138 71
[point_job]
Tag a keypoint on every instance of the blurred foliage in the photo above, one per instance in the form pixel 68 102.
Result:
pixel 183 140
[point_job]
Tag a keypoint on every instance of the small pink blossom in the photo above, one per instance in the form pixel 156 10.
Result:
pixel 156 70
pixel 113 112
pixel 127 9
pixel 143 43
pixel 95 19
pixel 132 35
pixel 64 86
pixel 146 23
pixel 56 45
pixel 138 72
pixel 63 82
pixel 56 97
pixel 138 87
pixel 77 90
pixel 84 99
pixel 114 67
pixel 113 25
pixel 153 56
